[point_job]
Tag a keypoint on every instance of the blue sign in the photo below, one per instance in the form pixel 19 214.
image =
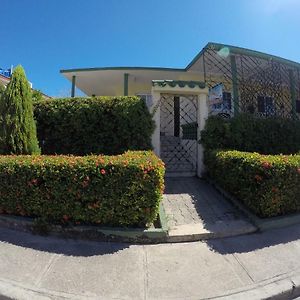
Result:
pixel 6 72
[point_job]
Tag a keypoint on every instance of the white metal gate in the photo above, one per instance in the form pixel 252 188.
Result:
pixel 178 132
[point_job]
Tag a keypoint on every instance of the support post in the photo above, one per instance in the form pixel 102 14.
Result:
pixel 235 89
pixel 293 93
pixel 73 86
pixel 126 75
pixel 155 111
pixel 201 118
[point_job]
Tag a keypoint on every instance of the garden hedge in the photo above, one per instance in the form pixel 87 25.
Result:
pixel 122 190
pixel 97 125
pixel 269 185
pixel 248 133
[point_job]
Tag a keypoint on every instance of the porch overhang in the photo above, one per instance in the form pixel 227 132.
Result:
pixel 123 80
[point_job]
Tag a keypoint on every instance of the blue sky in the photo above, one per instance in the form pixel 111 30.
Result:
pixel 48 35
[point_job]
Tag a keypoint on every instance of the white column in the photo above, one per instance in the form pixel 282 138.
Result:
pixel 202 116
pixel 155 110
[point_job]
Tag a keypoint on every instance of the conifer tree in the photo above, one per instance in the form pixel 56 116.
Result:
pixel 17 128
pixel 2 89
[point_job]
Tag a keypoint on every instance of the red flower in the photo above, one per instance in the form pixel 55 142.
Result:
pixel 258 177
pixel 298 170
pixel 102 171
pixel 266 165
pixel 65 217
pixel 34 181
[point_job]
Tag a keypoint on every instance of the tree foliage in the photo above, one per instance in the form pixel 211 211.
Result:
pixel 18 129
pixel 37 95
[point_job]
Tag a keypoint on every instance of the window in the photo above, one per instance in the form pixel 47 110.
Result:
pixel 147 99
pixel 227 100
pixel 298 106
pixel 265 105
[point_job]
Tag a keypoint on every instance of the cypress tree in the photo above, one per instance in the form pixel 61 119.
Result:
pixel 2 89
pixel 18 129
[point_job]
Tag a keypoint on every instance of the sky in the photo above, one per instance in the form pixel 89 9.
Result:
pixel 45 36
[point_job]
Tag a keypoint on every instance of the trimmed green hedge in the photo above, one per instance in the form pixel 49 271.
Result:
pixel 97 125
pixel 252 134
pixel 269 185
pixel 123 190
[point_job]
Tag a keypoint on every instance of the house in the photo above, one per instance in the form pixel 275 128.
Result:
pixel 233 79
pixel 5 75
pixel 247 80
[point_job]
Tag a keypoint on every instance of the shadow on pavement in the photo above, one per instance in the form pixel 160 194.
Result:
pixel 212 208
pixel 248 243
pixel 58 245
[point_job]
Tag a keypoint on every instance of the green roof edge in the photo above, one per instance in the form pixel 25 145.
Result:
pixel 245 51
pixel 121 68
pixel 217 46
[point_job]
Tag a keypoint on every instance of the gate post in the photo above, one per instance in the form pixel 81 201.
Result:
pixel 202 116
pixel 155 111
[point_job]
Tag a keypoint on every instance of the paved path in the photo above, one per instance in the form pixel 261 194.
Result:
pixel 244 267
pixel 194 207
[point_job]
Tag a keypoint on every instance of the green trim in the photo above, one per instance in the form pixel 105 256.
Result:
pixel 126 75
pixel 242 51
pixel 293 93
pixel 235 89
pixel 179 83
pixel 121 69
pixel 210 45
pixel 196 58
pixel 163 218
pixel 73 86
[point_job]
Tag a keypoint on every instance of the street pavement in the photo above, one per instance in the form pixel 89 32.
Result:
pixel 254 266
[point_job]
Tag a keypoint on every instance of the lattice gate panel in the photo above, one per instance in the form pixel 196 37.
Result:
pixel 179 146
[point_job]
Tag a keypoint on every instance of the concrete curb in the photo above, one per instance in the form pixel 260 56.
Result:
pixel 94 233
pixel 261 224
pixel 180 234
pixel 280 288
pixel 222 229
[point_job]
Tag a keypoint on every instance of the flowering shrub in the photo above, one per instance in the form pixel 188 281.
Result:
pixel 97 125
pixel 122 190
pixel 269 185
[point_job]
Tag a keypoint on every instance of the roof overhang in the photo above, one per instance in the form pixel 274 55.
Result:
pixel 110 81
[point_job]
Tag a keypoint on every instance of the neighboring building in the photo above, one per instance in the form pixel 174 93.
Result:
pixel 5 75
pixel 4 80
pixel 239 80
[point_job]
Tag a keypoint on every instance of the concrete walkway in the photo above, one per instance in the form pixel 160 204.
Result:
pixel 255 266
pixel 195 210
